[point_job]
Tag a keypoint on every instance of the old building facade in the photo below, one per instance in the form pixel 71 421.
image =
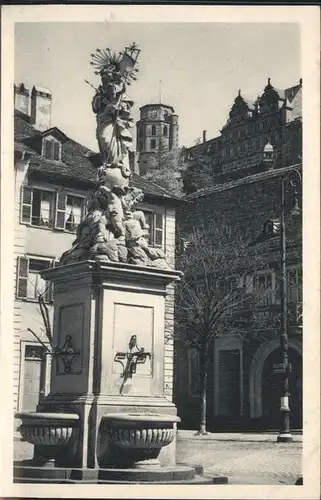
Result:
pixel 157 129
pixel 54 177
pixel 275 117
pixel 244 384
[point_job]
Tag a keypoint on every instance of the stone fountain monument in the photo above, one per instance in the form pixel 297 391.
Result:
pixel 106 418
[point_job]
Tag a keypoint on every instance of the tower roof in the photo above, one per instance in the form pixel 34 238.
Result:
pixel 157 105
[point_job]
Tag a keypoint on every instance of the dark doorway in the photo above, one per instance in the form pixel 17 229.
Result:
pixel 229 383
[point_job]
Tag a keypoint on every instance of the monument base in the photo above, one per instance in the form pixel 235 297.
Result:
pixel 178 474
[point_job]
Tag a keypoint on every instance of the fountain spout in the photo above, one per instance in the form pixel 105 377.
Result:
pixel 130 359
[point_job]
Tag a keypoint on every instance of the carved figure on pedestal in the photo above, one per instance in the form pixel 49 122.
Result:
pixel 113 230
pixel 93 237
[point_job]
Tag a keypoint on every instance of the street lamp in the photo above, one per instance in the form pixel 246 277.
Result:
pixel 295 182
pixel 285 433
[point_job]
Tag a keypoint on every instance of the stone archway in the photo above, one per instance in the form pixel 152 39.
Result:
pixel 256 371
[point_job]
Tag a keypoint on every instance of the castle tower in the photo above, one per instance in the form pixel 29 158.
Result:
pixel 157 127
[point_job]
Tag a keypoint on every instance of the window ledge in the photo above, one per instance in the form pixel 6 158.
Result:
pixel 54 229
pixel 36 227
pixel 33 301
pixel 57 162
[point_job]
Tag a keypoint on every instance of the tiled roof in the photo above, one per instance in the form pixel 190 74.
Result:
pixel 19 146
pixel 250 179
pixel 75 167
pixel 291 92
pixel 150 188
pixel 22 128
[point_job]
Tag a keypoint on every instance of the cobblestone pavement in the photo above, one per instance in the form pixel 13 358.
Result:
pixel 22 450
pixel 244 462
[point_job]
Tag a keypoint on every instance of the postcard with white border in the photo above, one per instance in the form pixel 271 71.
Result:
pixel 160 257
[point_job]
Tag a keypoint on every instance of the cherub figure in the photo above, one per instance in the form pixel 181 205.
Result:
pixel 129 200
pixel 114 210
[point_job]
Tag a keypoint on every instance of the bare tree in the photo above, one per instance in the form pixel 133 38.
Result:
pixel 44 312
pixel 218 268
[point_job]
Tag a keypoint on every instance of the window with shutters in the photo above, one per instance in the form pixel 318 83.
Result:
pixel 37 207
pixel 264 285
pixel 69 211
pixel 294 284
pixel 29 282
pixel 51 149
pixel 156 228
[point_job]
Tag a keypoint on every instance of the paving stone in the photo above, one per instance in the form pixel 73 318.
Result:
pixel 248 462
pixel 243 462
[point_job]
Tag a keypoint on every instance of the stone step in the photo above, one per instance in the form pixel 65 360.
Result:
pixel 199 480
pixel 163 475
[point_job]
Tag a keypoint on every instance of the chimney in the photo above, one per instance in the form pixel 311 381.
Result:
pixel 21 98
pixel 204 136
pixel 41 108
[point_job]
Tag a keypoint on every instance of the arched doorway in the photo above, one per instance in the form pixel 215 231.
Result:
pixel 272 389
pixel 265 383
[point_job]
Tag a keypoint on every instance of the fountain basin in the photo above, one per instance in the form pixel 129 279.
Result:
pixel 140 431
pixel 48 429
pixel 137 438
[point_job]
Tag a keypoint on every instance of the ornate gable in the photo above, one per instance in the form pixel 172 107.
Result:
pixel 269 101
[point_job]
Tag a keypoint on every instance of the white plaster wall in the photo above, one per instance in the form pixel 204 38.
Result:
pixel 52 243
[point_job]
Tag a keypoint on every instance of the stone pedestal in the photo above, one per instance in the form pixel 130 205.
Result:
pixel 99 307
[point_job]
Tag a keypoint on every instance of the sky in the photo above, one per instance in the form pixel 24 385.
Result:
pixel 201 67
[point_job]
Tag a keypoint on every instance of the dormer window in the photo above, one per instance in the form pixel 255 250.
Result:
pixel 51 149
